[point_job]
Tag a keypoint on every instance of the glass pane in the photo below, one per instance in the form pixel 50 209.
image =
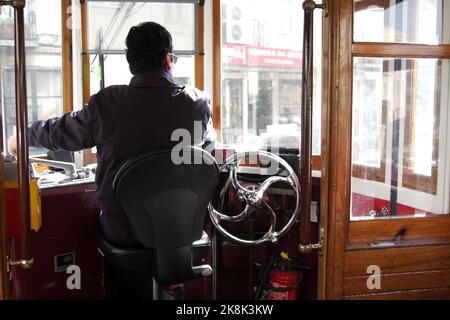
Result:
pixel 400 161
pixel 261 73
pixel 110 21
pixel 44 63
pixel 117 72
pixel 406 21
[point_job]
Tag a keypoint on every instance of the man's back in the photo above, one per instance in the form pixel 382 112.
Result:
pixel 123 122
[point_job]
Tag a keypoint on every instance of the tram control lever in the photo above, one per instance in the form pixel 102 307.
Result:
pixel 69 168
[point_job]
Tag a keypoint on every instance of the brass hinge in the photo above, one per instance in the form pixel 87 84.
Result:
pixel 25 264
pixel 308 248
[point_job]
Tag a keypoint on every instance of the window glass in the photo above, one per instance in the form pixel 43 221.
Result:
pixel 406 21
pixel 43 59
pixel 110 22
pixel 367 112
pixel 117 72
pixel 261 73
pixel 399 124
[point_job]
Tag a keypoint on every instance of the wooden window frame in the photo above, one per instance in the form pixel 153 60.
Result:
pixel 88 156
pixel 412 51
pixel 412 180
pixel 67 62
pixel 217 76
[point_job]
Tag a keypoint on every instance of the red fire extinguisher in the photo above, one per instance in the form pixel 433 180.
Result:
pixel 282 277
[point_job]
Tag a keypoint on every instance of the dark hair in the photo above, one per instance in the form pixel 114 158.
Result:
pixel 147 46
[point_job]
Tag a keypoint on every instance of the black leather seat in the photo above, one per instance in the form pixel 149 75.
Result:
pixel 166 205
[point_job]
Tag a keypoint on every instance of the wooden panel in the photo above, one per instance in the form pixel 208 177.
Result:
pixel 400 50
pixel 199 58
pixel 67 69
pixel 88 156
pixel 316 162
pixel 85 56
pixel 3 240
pixel 327 96
pixel 339 152
pixel 217 76
pixel 399 282
pixel 427 294
pixel 435 227
pixel 397 260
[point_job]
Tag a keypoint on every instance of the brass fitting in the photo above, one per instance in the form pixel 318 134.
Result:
pixel 25 264
pixel 309 5
pixel 17 4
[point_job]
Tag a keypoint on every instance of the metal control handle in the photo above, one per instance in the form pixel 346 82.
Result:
pixel 69 168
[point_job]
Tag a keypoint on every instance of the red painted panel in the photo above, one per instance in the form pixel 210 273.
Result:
pixel 260 56
pixel 12 212
pixel 69 225
pixel 362 204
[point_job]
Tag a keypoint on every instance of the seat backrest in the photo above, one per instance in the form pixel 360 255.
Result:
pixel 166 202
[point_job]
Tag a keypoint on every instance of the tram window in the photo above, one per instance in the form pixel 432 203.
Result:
pixel 368 119
pixel 261 60
pixel 407 21
pixel 116 71
pixel 110 21
pixel 400 124
pixel 44 63
pixel 108 26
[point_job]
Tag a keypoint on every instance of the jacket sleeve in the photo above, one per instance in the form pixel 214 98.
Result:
pixel 71 132
pixel 209 133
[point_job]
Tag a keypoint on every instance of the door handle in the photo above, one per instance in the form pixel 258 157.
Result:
pixel 308 248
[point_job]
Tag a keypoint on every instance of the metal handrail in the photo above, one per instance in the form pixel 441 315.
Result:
pixel 306 123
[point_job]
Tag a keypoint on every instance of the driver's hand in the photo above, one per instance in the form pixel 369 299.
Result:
pixel 12 146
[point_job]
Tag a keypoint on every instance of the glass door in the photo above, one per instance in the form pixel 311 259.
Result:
pixel 387 189
pixel 400 166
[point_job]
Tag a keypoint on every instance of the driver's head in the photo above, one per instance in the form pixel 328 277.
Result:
pixel 149 46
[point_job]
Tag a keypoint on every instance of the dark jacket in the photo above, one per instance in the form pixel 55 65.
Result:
pixel 123 122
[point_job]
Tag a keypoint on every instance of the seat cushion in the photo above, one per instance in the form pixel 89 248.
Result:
pixel 135 259
pixel 140 258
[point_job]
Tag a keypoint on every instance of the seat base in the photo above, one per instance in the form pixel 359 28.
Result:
pixel 133 259
pixel 141 258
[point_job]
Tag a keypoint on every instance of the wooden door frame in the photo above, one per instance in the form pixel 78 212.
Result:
pixel 328 71
pixel 336 157
pixel 336 181
pixel 4 294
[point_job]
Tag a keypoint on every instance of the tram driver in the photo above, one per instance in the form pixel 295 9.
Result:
pixel 123 121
